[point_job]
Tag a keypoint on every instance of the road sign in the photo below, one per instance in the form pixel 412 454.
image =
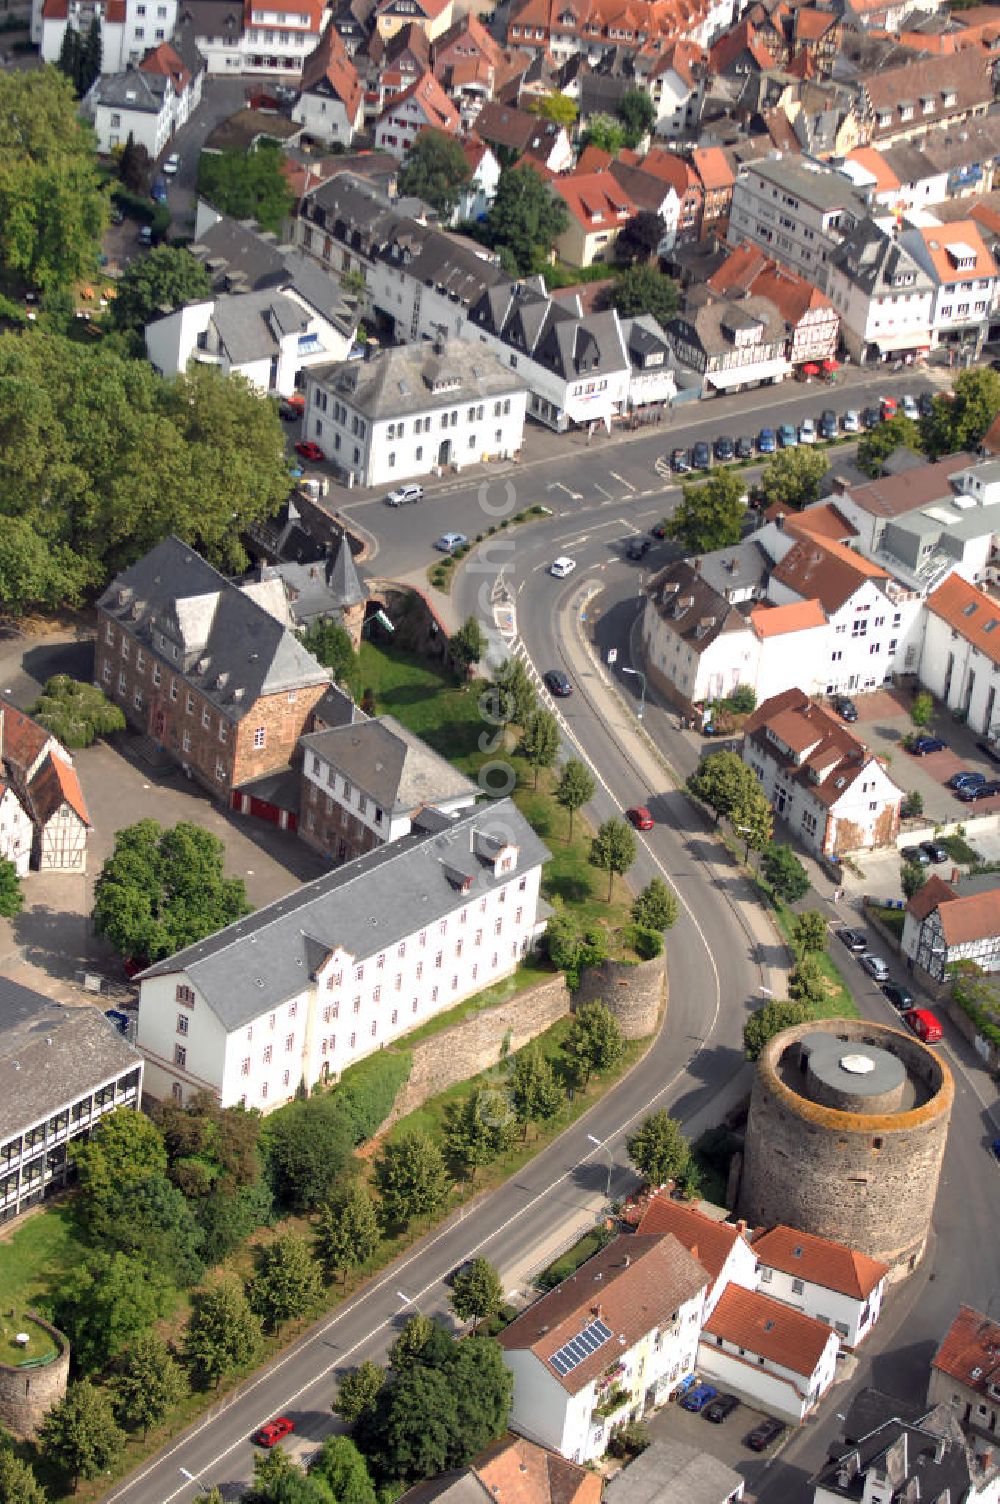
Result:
pixel 612 655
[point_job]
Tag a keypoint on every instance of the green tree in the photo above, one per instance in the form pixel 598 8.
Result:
pixel 659 1150
pixel 558 108
pixel 604 132
pixel 18 1484
pixel 639 239
pixel 228 1218
pixel 11 896
pixel 75 712
pixel 467 645
pixel 638 113
pixel 574 789
pixel 411 1178
pixel 247 184
pixel 525 218
pixel 752 817
pixel 807 984
pixel 341 1465
pixel 960 421
pixel 643 289
pixel 148 1384
pixel 36 573
pixel 809 932
pixel 168 278
pixel 69 53
pixel 764 1023
pixel 223 1333
pixel 792 477
pixel 52 212
pixel 354 283
pixel 922 709
pixel 413 1425
pixel 91 57
pixel 358 1391
pixel 125 1146
pixel 879 443
pixel 286 1282
pixel 535 1092
pixel 912 877
pixel 160 890
pixel 613 849
pixel 478 1130
pixel 309 1146
pixel 213 1496
pixel 210 1148
pixel 511 697
pixel 411 1347
pixel 105 1304
pixel 593 1041
pixel 483 1387
pixel 476 1292
pixel 135 167
pixel 79 1434
pixel 347 1230
pixel 571 948
pixel 436 171
pixel 331 645
pixel 723 781
pixel 655 908
pixel 150 1220
pixel 786 874
pixel 710 515
pixel 539 745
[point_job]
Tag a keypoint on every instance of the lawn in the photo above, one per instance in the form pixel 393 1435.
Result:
pixel 838 1002
pixel 569 1262
pixel 14 1323
pixel 35 1256
pixel 424 701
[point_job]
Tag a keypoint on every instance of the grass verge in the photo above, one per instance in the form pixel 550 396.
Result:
pixel 441 573
pixel 569 1262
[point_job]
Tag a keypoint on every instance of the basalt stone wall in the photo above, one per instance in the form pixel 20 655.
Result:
pixel 28 1394
pixel 634 994
pixel 865 1178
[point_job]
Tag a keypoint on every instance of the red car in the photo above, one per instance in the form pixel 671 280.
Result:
pixel 309 450
pixel 924 1025
pixel 640 818
pixel 273 1432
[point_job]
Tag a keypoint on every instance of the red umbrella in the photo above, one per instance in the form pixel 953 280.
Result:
pixel 810 369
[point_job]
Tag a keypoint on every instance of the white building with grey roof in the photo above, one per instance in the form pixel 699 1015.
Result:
pixel 315 982
pixel 61 1070
pixel 412 409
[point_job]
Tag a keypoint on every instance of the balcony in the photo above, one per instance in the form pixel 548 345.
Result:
pixel 615 1400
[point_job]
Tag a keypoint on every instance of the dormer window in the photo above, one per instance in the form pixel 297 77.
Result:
pixel 906 112
pixel 927 104
pixel 949 98
pixel 883 119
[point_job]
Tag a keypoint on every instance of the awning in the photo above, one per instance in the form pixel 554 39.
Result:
pixel 831 365
pixel 764 370
pixel 810 368
pixel 896 342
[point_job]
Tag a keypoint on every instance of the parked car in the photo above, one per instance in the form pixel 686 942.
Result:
pixel 925 404
pixel 828 424
pixel 562 566
pixel 697 1398
pixel 763 1434
pixel 725 449
pixel 870 417
pixel 852 421
pixel 638 548
pixel 788 436
pixel 744 447
pixel 274 1431
pixel 875 967
pixel 145 235
pixel 845 708
pixel 685 1385
pixel 965 780
pixel 935 852
pixel 807 431
pixel 310 451
pixel 701 457
pixel 448 542
pixel 292 408
pixel 640 817
pixel 899 996
pixel 855 940
pixel 404 496
pixel 171 165
pixel 158 192
pixel 888 407
pixel 923 746
pixel 924 1025
pixel 977 791
pixel 680 461
pixel 558 684
pixel 766 441
pixel 915 854
pixel 717 1411
pixel 910 409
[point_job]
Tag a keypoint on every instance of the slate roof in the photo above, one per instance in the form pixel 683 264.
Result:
pixel 401 379
pixel 50 1054
pixel 361 908
pixel 229 647
pixel 316 588
pixel 389 764
pixel 691 607
pixel 820 1261
pixel 671 1472
pixel 250 325
pixel 329 71
pixel 915 1462
pixel 214 18
pixel 769 1329
pixel 890 89
pixel 633 1285
pixel 133 90
pixel 238 258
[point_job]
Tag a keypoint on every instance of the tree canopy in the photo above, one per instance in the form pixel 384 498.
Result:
pixel 593 1041
pixel 52 211
pixel 525 218
pixel 959 421
pixel 435 170
pixel 792 477
pixel 559 108
pixel 710 514
pixel 105 1304
pixel 605 132
pixel 539 745
pixel 347 1229
pixel 659 1150
pixel 286 1282
pixel 477 1292
pixel 724 782
pixel 613 849
pixel 123 1148
pixel 637 112
pixel 75 712
pixel 166 279
pixel 160 890
pixel 786 874
pixel 80 1434
pixel 308 1145
pixel 875 447
pixel 642 289
pixel 575 788
pixel 762 1025
pixel 655 908
pixel 639 239
pixel 247 184
pixel 223 1333
pixel 410 1177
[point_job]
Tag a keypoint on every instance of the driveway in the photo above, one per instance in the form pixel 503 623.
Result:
pixel 883 721
pixel 723 1441
pixel 220 98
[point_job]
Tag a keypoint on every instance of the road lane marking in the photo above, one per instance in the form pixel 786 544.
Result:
pixel 621 480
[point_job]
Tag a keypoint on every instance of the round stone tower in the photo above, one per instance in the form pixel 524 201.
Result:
pixel 34 1368
pixel 845 1137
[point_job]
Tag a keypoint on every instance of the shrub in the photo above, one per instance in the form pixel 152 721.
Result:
pixel 913 804
pixel 646 943
pixel 367 1091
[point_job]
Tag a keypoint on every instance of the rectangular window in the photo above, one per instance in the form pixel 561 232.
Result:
pixel 182 1023
pixel 186 742
pixel 180 1055
pixel 259 737
pixel 190 704
pixel 206 717
pixel 122 683
pixel 268 1051
pixel 289 1043
pixel 157 672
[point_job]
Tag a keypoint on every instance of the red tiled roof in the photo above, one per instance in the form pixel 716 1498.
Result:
pixel 769 1329
pixel 825 569
pixel 970 612
pixel 874 162
pixel 742 38
pixel 329 60
pixel 820 521
pixel 712 167
pixel 895 495
pixel 437 108
pixel 827 757
pixel 970 1351
pixel 707 1240
pixel 312 10
pixel 820 1261
pixel 939 239
pixel 748 271
pixel 990 441
pixel 595 199
pixel 796 616
pixel 973 917
pixel 593 159
pixel 163 59
pixel 929 896
pixel 21 739
pixel 54 785
pixel 516 1471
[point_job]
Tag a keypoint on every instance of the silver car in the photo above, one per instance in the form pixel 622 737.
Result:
pixel 875 967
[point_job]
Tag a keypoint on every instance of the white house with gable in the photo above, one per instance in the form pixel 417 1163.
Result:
pixel 832 1283
pixel 310 984
pixel 767 1353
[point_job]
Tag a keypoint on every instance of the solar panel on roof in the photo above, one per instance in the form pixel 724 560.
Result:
pixel 573 1352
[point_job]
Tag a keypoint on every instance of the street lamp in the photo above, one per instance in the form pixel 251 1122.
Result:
pixel 611 1161
pixel 748 831
pixel 638 673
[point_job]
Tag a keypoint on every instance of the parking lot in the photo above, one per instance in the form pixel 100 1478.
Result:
pixel 723 1440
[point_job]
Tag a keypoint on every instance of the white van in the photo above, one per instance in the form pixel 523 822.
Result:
pixel 403 495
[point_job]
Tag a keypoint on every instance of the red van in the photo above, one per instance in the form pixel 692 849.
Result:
pixel 924 1025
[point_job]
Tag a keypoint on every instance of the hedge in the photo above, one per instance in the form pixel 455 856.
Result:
pixel 367 1090
pixel 983 1018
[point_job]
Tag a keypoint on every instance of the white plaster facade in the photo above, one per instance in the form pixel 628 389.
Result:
pixel 851 1317
pixel 16 831
pixel 382 826
pixel 326 118
pixel 118 119
pixel 959 674
pixel 771 1385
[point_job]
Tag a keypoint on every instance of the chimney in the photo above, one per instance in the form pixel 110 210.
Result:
pixel 595 1311
pixel 780 520
pixel 841 486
